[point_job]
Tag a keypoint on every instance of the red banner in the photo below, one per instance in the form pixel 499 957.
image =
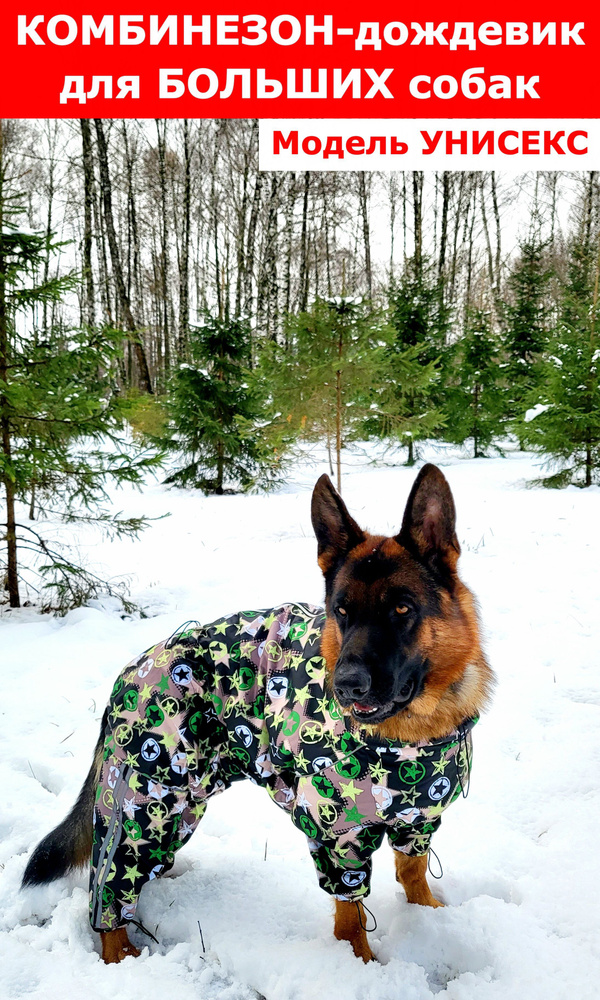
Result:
pixel 536 60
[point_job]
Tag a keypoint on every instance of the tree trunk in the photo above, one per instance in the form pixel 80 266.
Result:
pixel 103 282
pixel 325 218
pixel 393 194
pixel 329 455
pixel 241 233
pixel 364 210
pixel 267 288
pixel 215 239
pixel 134 283
pixel 220 467
pixel 184 260
pixel 12 575
pixel 303 277
pixel 49 220
pixel 593 378
pixel 32 498
pixel 417 179
pixel 161 136
pixel 250 244
pixel 106 191
pixel 404 226
pixel 498 258
pixel 486 231
pixel 470 259
pixel 457 221
pixel 588 463
pixel 88 209
pixel 289 239
pixel 589 207
pixel 444 226
pixel 338 412
pixel 488 245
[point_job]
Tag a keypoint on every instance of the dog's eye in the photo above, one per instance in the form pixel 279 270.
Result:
pixel 402 609
pixel 341 611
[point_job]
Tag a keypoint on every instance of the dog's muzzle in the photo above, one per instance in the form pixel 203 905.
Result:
pixel 352 684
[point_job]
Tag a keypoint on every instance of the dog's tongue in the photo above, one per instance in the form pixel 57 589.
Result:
pixel 363 708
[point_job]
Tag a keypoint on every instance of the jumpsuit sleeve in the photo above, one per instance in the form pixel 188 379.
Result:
pixel 344 866
pixel 139 824
pixel 413 840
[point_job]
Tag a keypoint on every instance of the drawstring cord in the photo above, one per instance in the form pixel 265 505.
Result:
pixel 144 930
pixel 372 916
pixel 172 638
pixel 432 873
pixel 466 758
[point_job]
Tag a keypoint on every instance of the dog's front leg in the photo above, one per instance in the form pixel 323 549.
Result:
pixel 350 926
pixel 411 873
pixel 116 946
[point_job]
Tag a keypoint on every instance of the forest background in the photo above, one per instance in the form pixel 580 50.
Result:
pixel 165 306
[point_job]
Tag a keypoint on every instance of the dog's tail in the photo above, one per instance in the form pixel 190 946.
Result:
pixel 70 844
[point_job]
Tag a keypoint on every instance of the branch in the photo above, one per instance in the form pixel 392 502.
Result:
pixel 52 420
pixel 26 527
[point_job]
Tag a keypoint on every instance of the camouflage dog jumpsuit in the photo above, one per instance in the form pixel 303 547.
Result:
pixel 247 697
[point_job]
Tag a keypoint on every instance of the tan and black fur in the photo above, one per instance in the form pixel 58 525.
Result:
pixel 403 653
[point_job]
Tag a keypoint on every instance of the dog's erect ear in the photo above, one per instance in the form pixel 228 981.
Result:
pixel 337 532
pixel 429 525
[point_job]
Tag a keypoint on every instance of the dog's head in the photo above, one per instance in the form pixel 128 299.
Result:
pixel 401 628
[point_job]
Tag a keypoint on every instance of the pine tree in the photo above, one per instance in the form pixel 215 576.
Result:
pixel 323 379
pixel 60 414
pixel 215 408
pixel 61 417
pixel 402 407
pixel 527 321
pixel 564 419
pixel 420 322
pixel 417 311
pixel 474 400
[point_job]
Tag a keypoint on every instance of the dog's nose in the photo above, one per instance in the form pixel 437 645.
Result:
pixel 352 681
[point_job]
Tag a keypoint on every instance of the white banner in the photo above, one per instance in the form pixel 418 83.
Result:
pixel 435 144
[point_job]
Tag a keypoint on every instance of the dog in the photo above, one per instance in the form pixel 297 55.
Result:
pixel 357 719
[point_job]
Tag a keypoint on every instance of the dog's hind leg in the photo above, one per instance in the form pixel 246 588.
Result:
pixel 411 873
pixel 116 946
pixel 350 923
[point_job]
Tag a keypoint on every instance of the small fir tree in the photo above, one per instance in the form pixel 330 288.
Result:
pixel 527 321
pixel 61 420
pixel 417 353
pixel 402 407
pixel 474 402
pixel 322 380
pixel 216 410
pixel 417 310
pixel 564 419
pixel 61 416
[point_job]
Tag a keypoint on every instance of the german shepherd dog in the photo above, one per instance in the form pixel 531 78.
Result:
pixel 398 667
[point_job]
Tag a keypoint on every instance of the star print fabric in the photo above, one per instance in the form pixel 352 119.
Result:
pixel 247 696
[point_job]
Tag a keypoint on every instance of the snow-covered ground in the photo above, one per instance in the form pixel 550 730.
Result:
pixel 519 855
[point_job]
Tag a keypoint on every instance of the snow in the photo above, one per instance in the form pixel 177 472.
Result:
pixel 519 855
pixel 535 411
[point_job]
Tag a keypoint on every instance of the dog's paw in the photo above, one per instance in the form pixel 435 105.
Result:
pixel 120 953
pixel 364 952
pixel 116 946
